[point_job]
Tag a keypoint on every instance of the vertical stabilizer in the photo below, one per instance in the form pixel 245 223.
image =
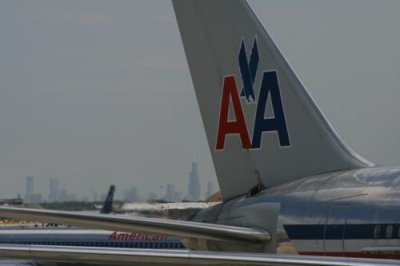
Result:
pixel 262 125
pixel 108 203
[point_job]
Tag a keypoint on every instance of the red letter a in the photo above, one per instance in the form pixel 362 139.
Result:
pixel 113 236
pixel 225 127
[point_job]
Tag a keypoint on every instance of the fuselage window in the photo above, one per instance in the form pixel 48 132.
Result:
pixel 389 231
pixel 377 231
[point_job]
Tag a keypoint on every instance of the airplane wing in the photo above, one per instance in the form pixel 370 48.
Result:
pixel 184 229
pixel 120 256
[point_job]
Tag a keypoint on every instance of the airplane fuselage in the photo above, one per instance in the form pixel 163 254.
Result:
pixel 348 213
pixel 81 237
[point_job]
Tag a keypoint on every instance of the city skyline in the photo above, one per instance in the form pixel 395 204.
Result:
pixel 56 191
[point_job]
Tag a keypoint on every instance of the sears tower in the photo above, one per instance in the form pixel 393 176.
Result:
pixel 194 186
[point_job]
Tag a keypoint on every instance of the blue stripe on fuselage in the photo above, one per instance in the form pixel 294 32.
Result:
pixel 341 231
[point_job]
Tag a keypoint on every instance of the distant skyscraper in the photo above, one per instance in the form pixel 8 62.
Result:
pixel 194 185
pixel 30 197
pixel 29 186
pixel 54 194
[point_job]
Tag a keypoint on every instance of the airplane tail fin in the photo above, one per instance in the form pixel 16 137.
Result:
pixel 263 127
pixel 108 203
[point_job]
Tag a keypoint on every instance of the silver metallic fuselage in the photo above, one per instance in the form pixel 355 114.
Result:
pixel 348 213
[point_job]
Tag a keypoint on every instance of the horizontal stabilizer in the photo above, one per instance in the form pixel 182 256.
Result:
pixel 140 224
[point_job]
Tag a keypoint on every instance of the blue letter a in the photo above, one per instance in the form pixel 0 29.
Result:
pixel 269 86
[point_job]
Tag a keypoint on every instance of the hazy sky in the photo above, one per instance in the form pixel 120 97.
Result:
pixel 98 92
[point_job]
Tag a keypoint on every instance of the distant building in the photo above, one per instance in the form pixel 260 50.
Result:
pixel 194 184
pixel 30 196
pixel 18 201
pixel 170 193
pixel 29 186
pixel 35 198
pixel 66 196
pixel 57 193
pixel 54 194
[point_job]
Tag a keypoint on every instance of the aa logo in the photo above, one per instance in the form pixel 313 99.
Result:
pixel 269 87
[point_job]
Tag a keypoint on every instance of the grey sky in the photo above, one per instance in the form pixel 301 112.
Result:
pixel 98 92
